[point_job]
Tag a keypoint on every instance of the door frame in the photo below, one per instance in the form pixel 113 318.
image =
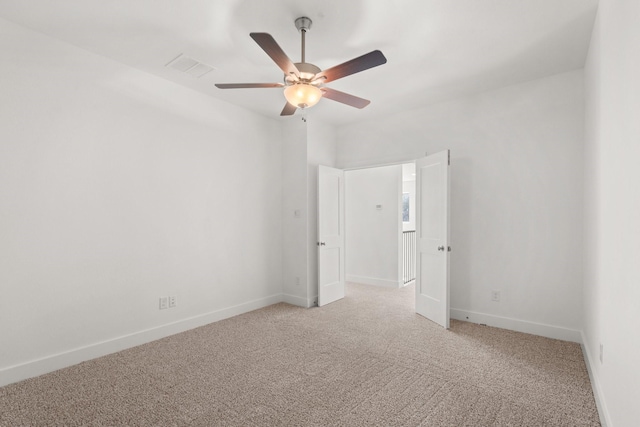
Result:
pixel 417 201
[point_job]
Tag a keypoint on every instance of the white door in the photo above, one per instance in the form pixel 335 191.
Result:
pixel 331 236
pixel 432 237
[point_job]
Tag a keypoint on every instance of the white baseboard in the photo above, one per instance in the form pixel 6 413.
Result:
pixel 534 328
pixel 385 283
pixel 54 362
pixel 595 384
pixel 295 300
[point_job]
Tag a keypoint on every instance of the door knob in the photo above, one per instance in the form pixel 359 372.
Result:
pixel 441 248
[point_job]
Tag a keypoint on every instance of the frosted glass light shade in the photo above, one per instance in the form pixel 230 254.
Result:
pixel 302 95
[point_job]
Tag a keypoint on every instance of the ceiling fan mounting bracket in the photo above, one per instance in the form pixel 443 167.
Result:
pixel 303 23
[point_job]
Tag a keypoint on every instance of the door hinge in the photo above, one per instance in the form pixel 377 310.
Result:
pixel 449 157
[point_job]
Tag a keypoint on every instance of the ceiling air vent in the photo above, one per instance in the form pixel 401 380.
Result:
pixel 190 66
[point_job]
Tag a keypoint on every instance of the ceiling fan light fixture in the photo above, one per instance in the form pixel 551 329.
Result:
pixel 302 95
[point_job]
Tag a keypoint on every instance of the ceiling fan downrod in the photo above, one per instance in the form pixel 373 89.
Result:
pixel 303 24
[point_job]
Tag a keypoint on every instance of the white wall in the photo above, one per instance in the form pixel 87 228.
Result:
pixel 295 212
pixel 516 176
pixel 612 210
pixel 321 150
pixel 117 187
pixel 373 235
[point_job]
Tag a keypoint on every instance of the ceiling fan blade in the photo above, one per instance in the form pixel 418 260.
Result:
pixel 269 45
pixel 361 63
pixel 345 98
pixel 288 110
pixel 247 85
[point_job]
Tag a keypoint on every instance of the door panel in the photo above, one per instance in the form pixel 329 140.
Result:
pixel 331 257
pixel 331 236
pixel 432 229
pixel 330 218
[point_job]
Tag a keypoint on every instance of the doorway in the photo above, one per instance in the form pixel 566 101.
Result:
pixel 408 224
pixel 432 231
pixel 380 225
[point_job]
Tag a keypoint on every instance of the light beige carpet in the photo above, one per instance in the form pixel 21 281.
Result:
pixel 362 361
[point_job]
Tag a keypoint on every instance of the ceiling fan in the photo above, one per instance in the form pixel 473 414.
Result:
pixel 303 81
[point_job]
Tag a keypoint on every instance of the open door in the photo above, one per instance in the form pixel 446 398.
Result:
pixel 432 237
pixel 331 236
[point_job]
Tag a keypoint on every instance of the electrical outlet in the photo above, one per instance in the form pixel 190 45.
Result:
pixel 601 353
pixel 164 303
pixel 172 301
pixel 495 295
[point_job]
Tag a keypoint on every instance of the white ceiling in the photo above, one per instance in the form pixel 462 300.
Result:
pixel 436 49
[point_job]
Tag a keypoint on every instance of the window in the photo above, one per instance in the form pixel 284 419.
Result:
pixel 405 207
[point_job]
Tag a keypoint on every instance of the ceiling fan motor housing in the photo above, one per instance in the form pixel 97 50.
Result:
pixel 307 73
